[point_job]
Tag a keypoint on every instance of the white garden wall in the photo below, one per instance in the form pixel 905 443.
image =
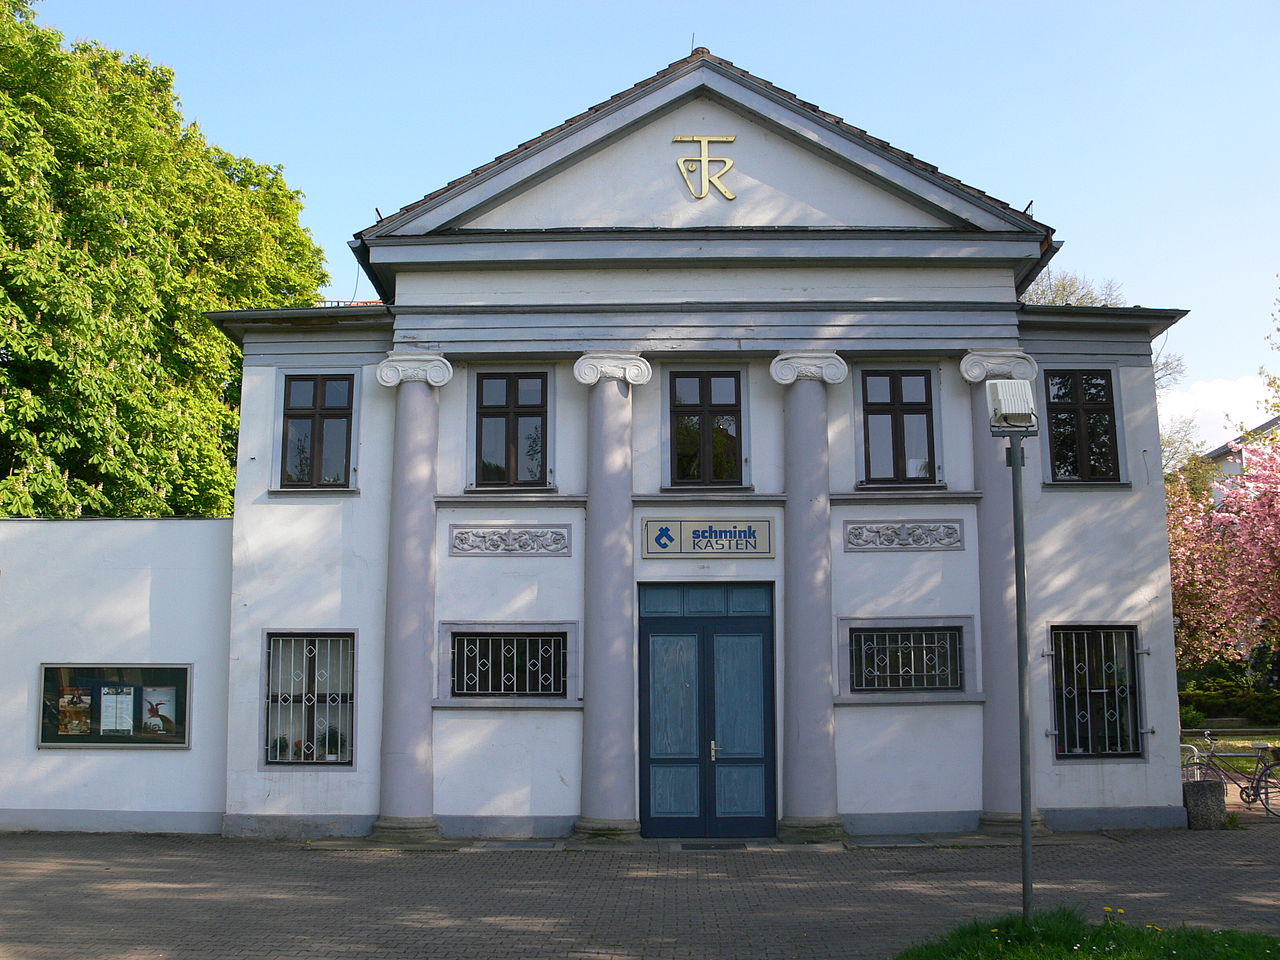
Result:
pixel 108 592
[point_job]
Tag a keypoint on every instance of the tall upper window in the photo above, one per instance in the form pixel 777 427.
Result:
pixel 1082 425
pixel 706 429
pixel 897 412
pixel 511 429
pixel 1095 692
pixel 316 447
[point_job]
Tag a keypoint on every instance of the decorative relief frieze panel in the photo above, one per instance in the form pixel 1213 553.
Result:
pixel 514 540
pixel 861 535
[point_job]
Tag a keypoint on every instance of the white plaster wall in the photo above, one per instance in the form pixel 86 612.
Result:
pixel 113 591
pixel 762 432
pixel 509 588
pixel 508 762
pixel 669 285
pixel 1099 556
pixel 307 561
pixel 905 583
pixel 909 758
pixel 567 433
pixel 952 424
pixel 635 181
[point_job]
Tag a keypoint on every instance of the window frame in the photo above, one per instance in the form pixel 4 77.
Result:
pixel 1080 407
pixel 268 757
pixel 670 410
pixel 474 374
pixel 510 413
pixel 898 409
pixel 279 413
pixel 1135 701
pixel 969 691
pixel 447 629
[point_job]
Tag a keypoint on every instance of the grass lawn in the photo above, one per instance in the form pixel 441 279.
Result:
pixel 1064 933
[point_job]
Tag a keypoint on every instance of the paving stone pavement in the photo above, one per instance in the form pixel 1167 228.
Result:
pixel 137 897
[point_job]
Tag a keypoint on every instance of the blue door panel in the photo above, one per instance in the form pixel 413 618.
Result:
pixel 673 791
pixel 739 693
pixel 740 791
pixel 673 695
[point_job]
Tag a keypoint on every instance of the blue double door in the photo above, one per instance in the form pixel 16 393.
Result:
pixel 707 758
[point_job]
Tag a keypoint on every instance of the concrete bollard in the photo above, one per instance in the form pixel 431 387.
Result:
pixel 1206 803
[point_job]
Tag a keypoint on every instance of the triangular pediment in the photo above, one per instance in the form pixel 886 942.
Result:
pixel 658 157
pixel 655 176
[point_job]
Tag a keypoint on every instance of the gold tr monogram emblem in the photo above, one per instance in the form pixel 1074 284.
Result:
pixel 701 165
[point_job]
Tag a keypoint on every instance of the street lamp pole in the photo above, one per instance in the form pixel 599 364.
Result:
pixel 1013 415
pixel 1015 454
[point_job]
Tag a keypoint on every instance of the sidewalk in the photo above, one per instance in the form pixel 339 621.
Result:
pixel 131 897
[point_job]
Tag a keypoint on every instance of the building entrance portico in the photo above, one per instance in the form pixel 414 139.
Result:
pixel 707 759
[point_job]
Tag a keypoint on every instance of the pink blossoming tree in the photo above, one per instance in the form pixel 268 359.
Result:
pixel 1225 561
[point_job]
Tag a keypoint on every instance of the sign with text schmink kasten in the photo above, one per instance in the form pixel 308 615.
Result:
pixel 704 538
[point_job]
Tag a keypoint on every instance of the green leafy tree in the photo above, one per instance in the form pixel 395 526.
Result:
pixel 1061 289
pixel 119 226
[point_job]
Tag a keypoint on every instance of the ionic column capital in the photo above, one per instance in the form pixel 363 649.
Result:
pixel 789 367
pixel 401 365
pixel 1002 364
pixel 591 368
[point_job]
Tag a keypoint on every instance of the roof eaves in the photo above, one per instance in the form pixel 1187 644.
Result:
pixel 233 323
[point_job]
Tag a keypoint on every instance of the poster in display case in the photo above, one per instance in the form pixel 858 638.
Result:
pixel 115 705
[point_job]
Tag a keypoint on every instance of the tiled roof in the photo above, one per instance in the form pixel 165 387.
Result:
pixel 702 53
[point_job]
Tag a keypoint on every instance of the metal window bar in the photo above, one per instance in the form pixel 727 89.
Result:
pixel 905 660
pixel 1095 692
pixel 310 698
pixel 510 665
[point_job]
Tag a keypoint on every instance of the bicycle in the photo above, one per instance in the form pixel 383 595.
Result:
pixel 1262 784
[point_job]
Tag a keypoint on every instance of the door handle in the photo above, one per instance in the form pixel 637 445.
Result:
pixel 713 751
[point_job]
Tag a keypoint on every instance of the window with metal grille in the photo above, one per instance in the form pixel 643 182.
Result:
pixel 706 429
pixel 1082 425
pixel 510 665
pixel 905 659
pixel 316 439
pixel 1095 692
pixel 310 698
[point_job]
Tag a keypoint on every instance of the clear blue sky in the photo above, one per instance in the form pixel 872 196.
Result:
pixel 1146 133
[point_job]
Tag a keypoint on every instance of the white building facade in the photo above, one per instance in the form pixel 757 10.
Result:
pixel 658 497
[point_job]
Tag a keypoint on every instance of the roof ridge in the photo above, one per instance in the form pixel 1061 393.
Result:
pixel 697 54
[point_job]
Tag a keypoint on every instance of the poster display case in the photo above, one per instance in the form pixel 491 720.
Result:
pixel 115 705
